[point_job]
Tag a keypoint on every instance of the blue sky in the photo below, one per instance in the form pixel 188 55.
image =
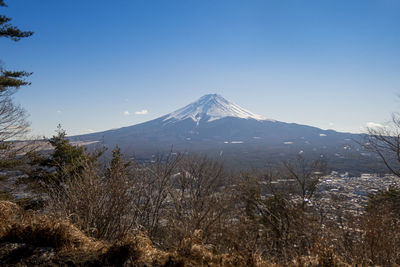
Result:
pixel 331 64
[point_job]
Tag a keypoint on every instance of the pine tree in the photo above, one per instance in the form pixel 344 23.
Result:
pixel 118 167
pixel 13 121
pixel 66 161
pixel 13 118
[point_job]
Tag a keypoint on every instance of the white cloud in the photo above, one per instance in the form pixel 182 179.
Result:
pixel 58 111
pixel 126 113
pixel 331 124
pixel 142 112
pixel 374 125
pixel 88 131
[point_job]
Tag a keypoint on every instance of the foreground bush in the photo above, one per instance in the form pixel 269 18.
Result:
pixel 35 239
pixel 188 211
pixel 32 238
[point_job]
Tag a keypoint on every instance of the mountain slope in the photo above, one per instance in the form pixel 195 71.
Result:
pixel 218 127
pixel 209 108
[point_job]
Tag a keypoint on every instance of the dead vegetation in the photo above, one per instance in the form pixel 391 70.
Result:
pixel 25 236
pixel 33 239
pixel 188 211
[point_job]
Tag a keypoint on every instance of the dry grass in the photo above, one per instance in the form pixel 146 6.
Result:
pixel 8 209
pixel 322 254
pixel 41 230
pixel 194 252
pixel 185 212
pixel 8 212
pixel 70 244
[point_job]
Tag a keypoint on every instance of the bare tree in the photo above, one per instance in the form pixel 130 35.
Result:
pixel 385 142
pixel 100 202
pixel 198 199
pixel 152 183
pixel 12 117
pixel 306 175
pixel 13 121
pixel 275 211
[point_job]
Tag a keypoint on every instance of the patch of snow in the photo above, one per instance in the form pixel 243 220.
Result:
pixel 322 134
pixel 237 142
pixel 288 143
pixel 212 107
pixel 83 143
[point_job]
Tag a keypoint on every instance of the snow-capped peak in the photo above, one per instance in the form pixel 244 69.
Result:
pixel 212 107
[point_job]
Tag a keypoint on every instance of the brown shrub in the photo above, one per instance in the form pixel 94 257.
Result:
pixel 8 212
pixel 194 252
pixel 70 244
pixel 45 231
pixel 187 207
pixel 98 206
pixel 199 201
pixel 381 239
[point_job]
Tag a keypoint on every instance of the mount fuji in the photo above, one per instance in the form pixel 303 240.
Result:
pixel 209 108
pixel 217 127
